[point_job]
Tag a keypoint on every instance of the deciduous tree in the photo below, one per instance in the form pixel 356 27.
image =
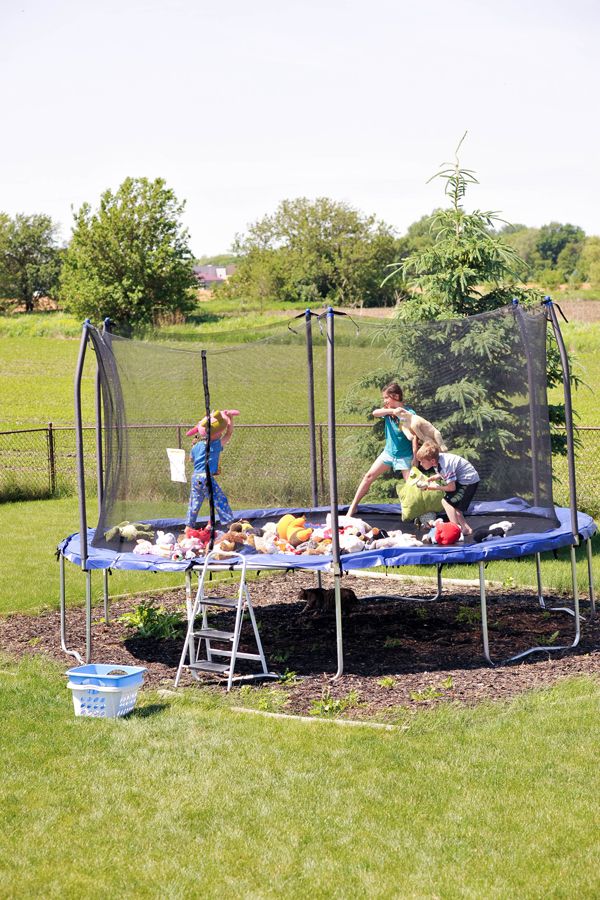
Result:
pixel 130 260
pixel 29 258
pixel 321 253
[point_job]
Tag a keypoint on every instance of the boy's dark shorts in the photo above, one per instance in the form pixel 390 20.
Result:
pixel 461 496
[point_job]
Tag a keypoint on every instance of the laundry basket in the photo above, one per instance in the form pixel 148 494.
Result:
pixel 104 691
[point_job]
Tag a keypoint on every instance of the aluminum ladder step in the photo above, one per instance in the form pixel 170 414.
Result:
pixel 225 602
pixel 213 634
pixel 203 665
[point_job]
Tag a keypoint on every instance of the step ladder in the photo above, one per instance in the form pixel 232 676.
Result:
pixel 195 636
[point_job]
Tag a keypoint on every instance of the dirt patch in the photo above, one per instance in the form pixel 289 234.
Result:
pixel 397 653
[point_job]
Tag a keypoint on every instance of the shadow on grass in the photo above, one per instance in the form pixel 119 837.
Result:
pixel 144 712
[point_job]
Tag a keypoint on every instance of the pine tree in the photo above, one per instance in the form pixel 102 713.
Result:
pixel 468 379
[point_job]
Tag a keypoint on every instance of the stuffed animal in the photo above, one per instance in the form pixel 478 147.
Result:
pixel 498 529
pixel 424 430
pixel 130 531
pixel 199 534
pixel 444 533
pixel 143 547
pixel 220 420
pixel 231 540
pixel 293 529
pixel 164 544
pixel 351 543
pixel 190 546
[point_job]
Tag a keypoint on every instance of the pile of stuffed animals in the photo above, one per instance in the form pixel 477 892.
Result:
pixel 291 534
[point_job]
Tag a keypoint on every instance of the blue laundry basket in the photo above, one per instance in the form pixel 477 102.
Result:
pixel 104 691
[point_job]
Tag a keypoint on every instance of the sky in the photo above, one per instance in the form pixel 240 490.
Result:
pixel 239 105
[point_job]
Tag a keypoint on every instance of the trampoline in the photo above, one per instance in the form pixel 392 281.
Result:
pixel 537 524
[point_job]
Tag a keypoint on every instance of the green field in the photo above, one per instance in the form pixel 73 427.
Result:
pixel 37 369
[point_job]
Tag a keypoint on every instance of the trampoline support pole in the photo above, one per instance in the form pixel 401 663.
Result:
pixel 437 595
pixel 105 595
pixel 538 649
pixel 484 622
pixel 538 573
pixel 588 545
pixel 575 595
pixel 63 613
pixel 88 616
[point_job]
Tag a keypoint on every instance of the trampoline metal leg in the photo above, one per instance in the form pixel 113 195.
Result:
pixel 105 594
pixel 88 616
pixel 588 544
pixel 538 572
pixel 63 617
pixel 538 649
pixel 436 596
pixel 338 626
pixel 484 622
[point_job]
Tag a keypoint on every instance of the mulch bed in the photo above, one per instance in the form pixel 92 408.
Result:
pixel 396 653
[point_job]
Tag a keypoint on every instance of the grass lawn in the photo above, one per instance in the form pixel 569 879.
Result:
pixel 32 394
pixel 29 583
pixel 186 798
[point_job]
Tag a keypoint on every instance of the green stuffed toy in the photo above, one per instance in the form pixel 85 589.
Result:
pixel 130 531
pixel 416 502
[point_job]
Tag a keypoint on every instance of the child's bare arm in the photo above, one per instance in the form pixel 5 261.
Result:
pixel 438 485
pixel 387 411
pixel 227 436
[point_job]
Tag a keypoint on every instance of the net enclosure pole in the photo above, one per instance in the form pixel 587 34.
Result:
pixel 333 494
pixel 311 410
pixel 81 490
pixel 79 445
pixel 99 453
pixel 100 465
pixel 312 434
pixel 566 377
pixel 533 432
pixel 209 484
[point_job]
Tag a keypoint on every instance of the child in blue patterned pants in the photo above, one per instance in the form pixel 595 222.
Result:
pixel 199 491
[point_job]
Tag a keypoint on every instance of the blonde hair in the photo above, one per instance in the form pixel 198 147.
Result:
pixel 428 450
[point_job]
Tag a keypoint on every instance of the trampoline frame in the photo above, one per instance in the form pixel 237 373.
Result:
pixel 336 568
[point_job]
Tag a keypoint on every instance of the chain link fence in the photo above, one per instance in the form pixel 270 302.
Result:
pixel 263 466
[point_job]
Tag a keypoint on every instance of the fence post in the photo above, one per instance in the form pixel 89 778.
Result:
pixel 51 459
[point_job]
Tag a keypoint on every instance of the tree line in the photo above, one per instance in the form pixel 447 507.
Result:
pixel 130 258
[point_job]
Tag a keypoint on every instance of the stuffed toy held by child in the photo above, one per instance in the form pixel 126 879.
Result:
pixel 220 420
pixel 424 430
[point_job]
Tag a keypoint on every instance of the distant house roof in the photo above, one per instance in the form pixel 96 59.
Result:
pixel 210 274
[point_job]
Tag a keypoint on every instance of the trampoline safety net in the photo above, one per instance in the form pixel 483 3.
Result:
pixel 480 380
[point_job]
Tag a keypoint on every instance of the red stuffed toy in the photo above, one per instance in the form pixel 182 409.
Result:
pixel 201 534
pixel 447 533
